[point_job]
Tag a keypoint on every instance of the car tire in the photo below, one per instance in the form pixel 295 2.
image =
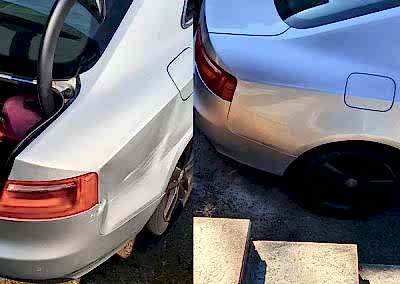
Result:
pixel 176 197
pixel 350 180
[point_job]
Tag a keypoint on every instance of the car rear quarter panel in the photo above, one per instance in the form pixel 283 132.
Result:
pixel 290 94
pixel 129 123
pixel 293 120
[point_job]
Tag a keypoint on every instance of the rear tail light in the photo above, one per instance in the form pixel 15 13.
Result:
pixel 48 199
pixel 216 79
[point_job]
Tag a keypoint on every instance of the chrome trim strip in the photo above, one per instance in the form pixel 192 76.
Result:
pixel 17 79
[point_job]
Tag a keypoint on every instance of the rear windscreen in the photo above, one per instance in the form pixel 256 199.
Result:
pixel 82 41
pixel 312 13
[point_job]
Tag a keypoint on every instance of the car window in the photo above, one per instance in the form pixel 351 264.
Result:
pixel 313 13
pixel 81 43
pixel 188 14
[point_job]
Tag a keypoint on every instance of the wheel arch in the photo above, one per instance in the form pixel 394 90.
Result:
pixel 377 144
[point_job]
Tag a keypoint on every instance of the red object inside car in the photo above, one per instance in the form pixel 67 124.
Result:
pixel 20 114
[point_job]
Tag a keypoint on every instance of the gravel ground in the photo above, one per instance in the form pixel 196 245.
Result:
pixel 225 188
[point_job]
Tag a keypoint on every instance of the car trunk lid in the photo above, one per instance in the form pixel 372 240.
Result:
pixel 241 17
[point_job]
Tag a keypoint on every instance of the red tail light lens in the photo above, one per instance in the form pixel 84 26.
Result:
pixel 48 199
pixel 217 79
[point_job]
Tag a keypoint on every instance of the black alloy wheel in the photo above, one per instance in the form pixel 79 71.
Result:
pixel 348 181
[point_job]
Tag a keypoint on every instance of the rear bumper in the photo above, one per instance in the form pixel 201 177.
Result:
pixel 61 249
pixel 211 116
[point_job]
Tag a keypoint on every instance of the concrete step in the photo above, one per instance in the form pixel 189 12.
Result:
pixel 303 263
pixel 380 274
pixel 219 250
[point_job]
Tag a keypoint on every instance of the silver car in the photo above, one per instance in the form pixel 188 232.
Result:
pixel 95 129
pixel 307 89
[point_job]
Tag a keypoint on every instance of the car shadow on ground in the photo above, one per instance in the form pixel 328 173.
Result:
pixel 255 269
pixel 225 188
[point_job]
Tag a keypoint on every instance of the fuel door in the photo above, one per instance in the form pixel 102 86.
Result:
pixel 180 70
pixel 370 92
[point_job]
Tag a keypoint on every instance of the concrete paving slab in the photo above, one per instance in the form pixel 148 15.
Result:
pixel 380 274
pixel 307 263
pixel 219 250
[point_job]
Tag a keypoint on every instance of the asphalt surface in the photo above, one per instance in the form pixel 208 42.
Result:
pixel 225 188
